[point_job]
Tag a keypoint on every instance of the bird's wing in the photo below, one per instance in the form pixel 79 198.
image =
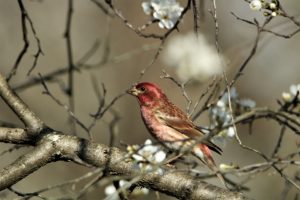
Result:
pixel 185 126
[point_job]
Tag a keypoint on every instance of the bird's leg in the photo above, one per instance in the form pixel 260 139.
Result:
pixel 168 162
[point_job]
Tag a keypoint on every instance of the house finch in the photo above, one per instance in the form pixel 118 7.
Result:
pixel 171 126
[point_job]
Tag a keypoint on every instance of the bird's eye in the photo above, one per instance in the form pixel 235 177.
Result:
pixel 143 89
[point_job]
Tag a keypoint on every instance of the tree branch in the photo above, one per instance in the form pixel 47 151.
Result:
pixel 26 165
pixel 29 118
pixel 14 135
pixel 56 146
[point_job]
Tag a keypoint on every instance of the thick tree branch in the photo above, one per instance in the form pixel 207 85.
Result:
pixel 56 146
pixel 29 118
pixel 14 135
pixel 26 165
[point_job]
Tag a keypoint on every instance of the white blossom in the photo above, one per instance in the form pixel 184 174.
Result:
pixel 220 114
pixel 221 104
pixel 150 153
pixel 289 96
pixel 294 89
pixel 233 96
pixel 160 156
pixel 255 5
pixel 112 193
pixel 166 11
pixel 272 5
pixel 274 14
pixel 147 8
pixel 148 142
pixel 224 136
pixel 138 192
pixel 167 15
pixel 247 103
pixel 230 132
pixel 192 57
pixel 148 157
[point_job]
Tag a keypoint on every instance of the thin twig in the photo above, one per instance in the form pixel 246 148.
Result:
pixel 182 88
pixel 278 144
pixel 70 89
pixel 71 114
pixel 24 17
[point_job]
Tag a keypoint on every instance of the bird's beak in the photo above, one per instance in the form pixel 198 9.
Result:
pixel 133 91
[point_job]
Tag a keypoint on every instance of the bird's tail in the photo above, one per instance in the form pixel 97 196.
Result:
pixel 204 153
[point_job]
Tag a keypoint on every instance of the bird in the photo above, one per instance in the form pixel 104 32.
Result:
pixel 171 126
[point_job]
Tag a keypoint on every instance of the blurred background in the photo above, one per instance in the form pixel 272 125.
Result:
pixel 272 70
